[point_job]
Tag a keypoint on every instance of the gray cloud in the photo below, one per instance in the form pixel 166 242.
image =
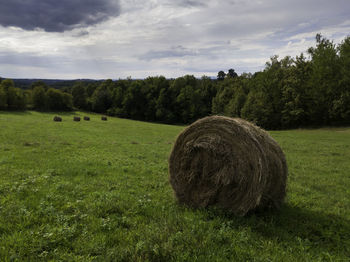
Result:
pixel 177 51
pixel 29 59
pixel 185 3
pixel 56 15
pixel 191 3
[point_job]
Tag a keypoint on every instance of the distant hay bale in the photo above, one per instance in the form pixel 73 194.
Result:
pixel 57 119
pixel 76 118
pixel 86 118
pixel 230 163
pixel 104 118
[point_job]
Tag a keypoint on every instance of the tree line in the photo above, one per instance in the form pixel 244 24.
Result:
pixel 288 93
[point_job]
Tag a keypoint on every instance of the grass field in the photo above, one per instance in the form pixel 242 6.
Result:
pixel 99 191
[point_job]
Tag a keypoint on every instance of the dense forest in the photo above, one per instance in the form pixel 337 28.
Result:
pixel 308 90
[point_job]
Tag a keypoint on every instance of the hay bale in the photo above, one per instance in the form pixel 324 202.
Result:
pixel 230 163
pixel 86 118
pixel 57 119
pixel 76 118
pixel 104 118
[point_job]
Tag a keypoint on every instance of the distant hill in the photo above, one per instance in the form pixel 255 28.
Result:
pixel 56 83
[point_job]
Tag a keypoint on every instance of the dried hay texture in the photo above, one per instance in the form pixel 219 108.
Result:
pixel 230 163
pixel 57 119
pixel 104 118
pixel 76 118
pixel 86 118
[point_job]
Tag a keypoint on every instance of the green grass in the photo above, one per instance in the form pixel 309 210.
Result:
pixel 99 191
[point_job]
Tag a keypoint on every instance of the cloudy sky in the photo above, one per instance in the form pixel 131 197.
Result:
pixel 69 39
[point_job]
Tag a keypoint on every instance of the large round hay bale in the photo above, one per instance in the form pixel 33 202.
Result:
pixel 86 118
pixel 76 118
pixel 57 119
pixel 103 118
pixel 230 163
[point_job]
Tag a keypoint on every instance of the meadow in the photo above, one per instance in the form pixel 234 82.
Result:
pixel 99 191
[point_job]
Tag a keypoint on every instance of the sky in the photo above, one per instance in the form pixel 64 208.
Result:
pixel 100 39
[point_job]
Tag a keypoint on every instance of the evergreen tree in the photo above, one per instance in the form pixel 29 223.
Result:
pixel 221 75
pixel 231 73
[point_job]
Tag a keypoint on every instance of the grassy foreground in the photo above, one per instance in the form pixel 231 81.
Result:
pixel 99 191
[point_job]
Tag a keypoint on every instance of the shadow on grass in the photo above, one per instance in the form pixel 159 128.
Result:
pixel 293 224
pixel 330 232
pixel 62 113
pixel 19 113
